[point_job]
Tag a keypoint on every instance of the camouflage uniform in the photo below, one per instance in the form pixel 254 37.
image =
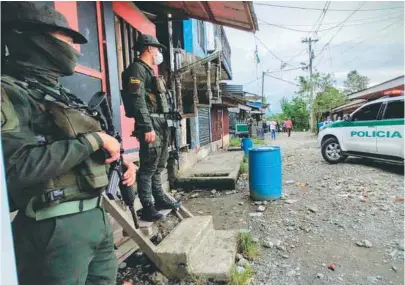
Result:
pixel 64 239
pixel 141 102
pixel 138 81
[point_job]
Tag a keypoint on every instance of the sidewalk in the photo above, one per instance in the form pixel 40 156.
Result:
pixel 219 170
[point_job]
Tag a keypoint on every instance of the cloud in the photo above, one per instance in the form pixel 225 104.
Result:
pixel 375 50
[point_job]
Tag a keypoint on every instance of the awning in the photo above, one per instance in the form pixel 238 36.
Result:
pixel 235 14
pixel 378 90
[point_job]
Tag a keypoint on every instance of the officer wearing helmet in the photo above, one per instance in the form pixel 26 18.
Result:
pixel 145 101
pixel 53 152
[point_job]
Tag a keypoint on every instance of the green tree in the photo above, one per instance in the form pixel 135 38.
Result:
pixel 327 100
pixel 296 109
pixel 320 83
pixel 355 82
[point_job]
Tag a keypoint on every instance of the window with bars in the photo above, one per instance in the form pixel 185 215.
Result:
pixel 126 38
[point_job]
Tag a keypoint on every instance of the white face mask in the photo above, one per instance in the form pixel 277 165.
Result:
pixel 158 58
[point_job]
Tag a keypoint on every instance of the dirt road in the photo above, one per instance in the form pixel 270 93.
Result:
pixel 325 211
pixel 350 215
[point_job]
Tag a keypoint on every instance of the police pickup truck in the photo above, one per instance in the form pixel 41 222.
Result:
pixel 375 130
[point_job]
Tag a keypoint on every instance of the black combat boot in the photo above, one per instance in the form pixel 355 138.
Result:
pixel 150 214
pixel 166 203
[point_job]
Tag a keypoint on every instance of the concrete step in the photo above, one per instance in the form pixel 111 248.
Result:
pixel 219 170
pixel 174 251
pixel 214 258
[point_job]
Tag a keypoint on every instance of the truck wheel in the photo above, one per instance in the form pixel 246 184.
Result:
pixel 332 152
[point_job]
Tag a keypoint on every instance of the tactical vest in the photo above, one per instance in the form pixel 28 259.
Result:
pixel 155 96
pixel 83 182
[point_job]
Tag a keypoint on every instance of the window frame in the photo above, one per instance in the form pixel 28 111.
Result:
pixel 386 108
pixel 70 10
pixel 378 115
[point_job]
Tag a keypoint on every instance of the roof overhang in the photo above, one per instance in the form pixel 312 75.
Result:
pixel 379 90
pixel 349 106
pixel 235 14
pixel 256 112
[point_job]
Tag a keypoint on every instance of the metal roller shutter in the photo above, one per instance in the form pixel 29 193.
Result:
pixel 204 125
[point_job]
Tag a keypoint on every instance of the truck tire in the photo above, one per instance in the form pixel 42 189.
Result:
pixel 332 152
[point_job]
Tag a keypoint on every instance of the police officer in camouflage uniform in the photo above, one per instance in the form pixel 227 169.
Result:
pixel 52 146
pixel 145 101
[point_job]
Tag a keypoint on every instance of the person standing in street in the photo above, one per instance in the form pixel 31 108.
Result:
pixel 289 126
pixel 273 126
pixel 146 102
pixel 53 146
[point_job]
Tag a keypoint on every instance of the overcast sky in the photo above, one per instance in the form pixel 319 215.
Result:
pixel 371 42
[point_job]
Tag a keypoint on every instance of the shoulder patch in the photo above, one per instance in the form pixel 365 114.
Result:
pixel 134 80
pixel 134 85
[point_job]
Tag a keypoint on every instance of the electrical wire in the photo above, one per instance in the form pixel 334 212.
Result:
pixel 319 9
pixel 269 50
pixel 336 23
pixel 342 26
pixel 290 82
pixel 358 43
pixel 370 47
pixel 323 17
pixel 272 71
pixel 330 28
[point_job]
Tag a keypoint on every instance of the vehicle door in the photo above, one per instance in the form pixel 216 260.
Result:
pixel 390 130
pixel 358 133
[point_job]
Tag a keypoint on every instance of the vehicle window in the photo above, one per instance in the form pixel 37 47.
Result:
pixel 367 113
pixel 394 110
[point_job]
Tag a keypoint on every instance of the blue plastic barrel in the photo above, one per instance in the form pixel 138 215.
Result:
pixel 265 173
pixel 246 144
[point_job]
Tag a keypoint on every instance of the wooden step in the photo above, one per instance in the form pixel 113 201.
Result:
pixel 128 246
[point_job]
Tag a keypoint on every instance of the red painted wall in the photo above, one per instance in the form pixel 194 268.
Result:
pixel 226 122
pixel 219 122
pixel 131 14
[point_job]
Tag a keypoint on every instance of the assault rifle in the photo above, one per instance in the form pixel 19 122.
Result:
pixel 98 107
pixel 173 119
pixel 99 102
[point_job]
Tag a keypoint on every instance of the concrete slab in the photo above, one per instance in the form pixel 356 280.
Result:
pixel 215 258
pixel 175 249
pixel 218 170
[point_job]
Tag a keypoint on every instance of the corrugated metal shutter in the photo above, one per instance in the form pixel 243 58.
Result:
pixel 204 125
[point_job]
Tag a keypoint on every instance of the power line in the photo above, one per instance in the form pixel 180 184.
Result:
pixel 319 9
pixel 342 26
pixel 269 50
pixel 290 82
pixel 358 43
pixel 323 17
pixel 336 23
pixel 327 29
pixel 370 47
pixel 271 71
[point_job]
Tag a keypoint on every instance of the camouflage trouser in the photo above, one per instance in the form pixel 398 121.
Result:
pixel 153 158
pixel 74 249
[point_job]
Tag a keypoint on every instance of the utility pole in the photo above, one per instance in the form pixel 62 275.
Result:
pixel 263 86
pixel 311 96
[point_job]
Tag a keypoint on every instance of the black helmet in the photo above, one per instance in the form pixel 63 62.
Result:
pixel 25 16
pixel 148 40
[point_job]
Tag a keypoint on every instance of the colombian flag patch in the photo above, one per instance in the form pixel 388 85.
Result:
pixel 134 80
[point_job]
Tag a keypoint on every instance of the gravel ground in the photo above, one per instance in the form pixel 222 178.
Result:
pixel 348 217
